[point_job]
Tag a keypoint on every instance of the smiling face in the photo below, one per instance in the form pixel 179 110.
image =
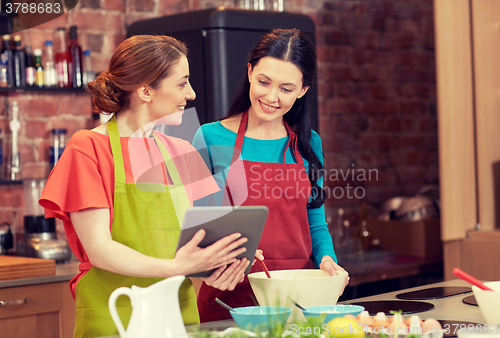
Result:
pixel 274 86
pixel 172 94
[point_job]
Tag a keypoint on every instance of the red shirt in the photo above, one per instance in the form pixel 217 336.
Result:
pixel 84 176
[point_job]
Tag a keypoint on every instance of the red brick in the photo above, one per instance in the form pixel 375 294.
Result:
pixel 76 105
pixel 343 125
pixel 142 5
pixel 36 38
pixel 379 107
pixel 372 74
pixel 35 170
pixel 42 151
pixel 99 21
pixel 394 124
pixel 377 124
pixel 333 54
pixel 380 92
pixel 114 41
pixel 6 199
pixel 335 38
pixel 426 91
pixel 35 129
pixel 338 73
pixel 100 62
pixel 92 42
pixel 6 215
pixel 368 40
pixel 325 90
pixel 407 124
pixel 138 16
pixel 412 108
pixel 93 4
pixel 345 90
pixel 428 124
pixel 118 5
pixel 61 21
pixel 37 105
pixel 412 141
pixel 331 142
pixel 338 106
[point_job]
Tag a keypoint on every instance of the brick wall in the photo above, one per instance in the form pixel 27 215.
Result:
pixel 376 87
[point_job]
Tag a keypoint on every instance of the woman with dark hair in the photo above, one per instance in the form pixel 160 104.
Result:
pixel 122 227
pixel 280 159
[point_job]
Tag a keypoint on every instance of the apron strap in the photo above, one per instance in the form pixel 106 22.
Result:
pixel 172 170
pixel 116 149
pixel 292 140
pixel 84 266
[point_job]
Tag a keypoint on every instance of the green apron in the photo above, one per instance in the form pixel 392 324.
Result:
pixel 145 219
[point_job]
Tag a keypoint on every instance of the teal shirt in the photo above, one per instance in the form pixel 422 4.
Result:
pixel 216 143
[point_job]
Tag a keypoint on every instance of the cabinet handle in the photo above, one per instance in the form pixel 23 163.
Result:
pixel 14 302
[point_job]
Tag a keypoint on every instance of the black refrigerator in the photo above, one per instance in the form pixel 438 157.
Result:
pixel 219 41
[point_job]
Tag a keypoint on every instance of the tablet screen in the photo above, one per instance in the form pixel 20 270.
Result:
pixel 219 222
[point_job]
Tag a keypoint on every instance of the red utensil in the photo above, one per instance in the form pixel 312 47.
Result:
pixel 468 278
pixel 264 267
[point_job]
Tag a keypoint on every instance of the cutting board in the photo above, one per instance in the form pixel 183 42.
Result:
pixel 13 267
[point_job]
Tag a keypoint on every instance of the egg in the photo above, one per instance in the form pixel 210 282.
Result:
pixel 414 322
pixel 431 325
pixel 363 313
pixel 398 325
pixel 380 325
pixel 365 319
pixel 380 316
pixel 350 316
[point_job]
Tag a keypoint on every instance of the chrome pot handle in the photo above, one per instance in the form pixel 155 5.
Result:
pixel 14 302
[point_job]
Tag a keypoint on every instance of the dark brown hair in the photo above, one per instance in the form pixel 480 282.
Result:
pixel 139 60
pixel 290 45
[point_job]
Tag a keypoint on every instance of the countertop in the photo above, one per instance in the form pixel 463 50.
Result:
pixel 64 273
pixel 449 308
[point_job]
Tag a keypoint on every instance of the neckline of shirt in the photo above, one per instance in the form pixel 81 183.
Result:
pixel 256 140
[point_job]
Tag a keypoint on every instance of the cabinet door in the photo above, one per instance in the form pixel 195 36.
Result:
pixel 45 310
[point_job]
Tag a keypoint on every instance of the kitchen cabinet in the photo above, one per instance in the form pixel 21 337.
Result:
pixel 46 311
pixel 467 40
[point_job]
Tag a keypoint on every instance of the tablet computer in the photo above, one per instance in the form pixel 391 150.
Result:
pixel 219 222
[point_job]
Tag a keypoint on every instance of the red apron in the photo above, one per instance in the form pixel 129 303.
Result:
pixel 286 241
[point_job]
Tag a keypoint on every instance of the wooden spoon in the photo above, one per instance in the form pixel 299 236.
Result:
pixel 468 278
pixel 264 267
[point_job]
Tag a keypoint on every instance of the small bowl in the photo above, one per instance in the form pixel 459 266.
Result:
pixel 489 302
pixel 332 311
pixel 260 318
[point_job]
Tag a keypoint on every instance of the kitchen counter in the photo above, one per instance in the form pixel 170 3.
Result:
pixel 64 273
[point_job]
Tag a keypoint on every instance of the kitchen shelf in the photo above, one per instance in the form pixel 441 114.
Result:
pixel 56 90
pixel 7 182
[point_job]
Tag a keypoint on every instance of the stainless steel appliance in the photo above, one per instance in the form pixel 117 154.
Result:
pixel 40 237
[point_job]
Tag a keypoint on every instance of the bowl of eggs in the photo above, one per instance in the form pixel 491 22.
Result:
pixel 489 302
pixel 307 287
pixel 332 311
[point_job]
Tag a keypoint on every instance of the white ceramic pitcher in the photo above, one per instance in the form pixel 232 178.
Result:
pixel 155 310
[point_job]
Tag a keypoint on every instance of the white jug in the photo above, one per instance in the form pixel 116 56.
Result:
pixel 155 310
